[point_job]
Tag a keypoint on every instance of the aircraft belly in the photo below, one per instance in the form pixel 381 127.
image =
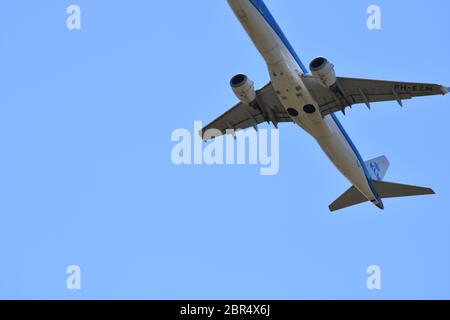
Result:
pixel 286 77
pixel 293 94
pixel 344 159
pixel 260 32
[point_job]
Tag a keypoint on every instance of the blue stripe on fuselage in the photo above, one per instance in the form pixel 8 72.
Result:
pixel 358 155
pixel 264 11
pixel 261 7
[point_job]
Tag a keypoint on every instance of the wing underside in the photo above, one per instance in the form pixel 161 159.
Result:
pixel 351 91
pixel 266 108
pixel 345 93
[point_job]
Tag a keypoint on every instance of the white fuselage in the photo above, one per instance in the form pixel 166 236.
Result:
pixel 286 72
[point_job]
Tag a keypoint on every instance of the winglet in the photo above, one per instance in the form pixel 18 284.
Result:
pixel 445 90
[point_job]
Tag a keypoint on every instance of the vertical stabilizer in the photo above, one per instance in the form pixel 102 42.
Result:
pixel 378 167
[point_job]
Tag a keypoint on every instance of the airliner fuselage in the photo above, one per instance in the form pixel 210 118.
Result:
pixel 286 71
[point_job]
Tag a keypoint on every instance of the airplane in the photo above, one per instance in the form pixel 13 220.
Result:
pixel 311 100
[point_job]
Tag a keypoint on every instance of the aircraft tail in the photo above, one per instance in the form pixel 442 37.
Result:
pixel 377 169
pixel 384 189
pixel 395 190
pixel 350 198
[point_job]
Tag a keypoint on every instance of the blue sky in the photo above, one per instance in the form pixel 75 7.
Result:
pixel 86 176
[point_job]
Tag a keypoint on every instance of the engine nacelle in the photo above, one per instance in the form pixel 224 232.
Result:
pixel 243 88
pixel 323 69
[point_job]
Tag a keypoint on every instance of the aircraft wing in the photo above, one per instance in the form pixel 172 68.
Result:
pixel 350 91
pixel 267 108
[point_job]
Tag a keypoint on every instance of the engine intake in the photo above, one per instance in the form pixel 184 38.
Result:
pixel 320 67
pixel 243 88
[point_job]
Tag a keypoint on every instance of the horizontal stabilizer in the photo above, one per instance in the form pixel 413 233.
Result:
pixel 384 189
pixel 350 198
pixel 395 190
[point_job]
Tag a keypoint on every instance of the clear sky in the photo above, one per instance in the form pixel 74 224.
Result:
pixel 86 176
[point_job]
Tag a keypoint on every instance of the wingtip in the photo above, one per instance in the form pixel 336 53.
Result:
pixel 332 210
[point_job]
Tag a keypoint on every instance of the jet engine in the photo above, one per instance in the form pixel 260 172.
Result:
pixel 243 88
pixel 323 69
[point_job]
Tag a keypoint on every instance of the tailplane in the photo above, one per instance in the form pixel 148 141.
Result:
pixel 350 198
pixel 395 190
pixel 377 168
pixel 384 189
